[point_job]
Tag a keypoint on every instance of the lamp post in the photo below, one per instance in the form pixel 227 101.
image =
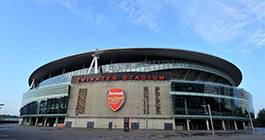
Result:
pixel 211 118
pixel 146 119
pixel 76 115
pixel 138 118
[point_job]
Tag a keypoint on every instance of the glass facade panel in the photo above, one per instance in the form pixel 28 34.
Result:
pixel 51 99
pixel 224 100
pixel 49 106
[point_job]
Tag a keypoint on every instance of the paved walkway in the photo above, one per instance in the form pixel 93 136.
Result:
pixel 15 131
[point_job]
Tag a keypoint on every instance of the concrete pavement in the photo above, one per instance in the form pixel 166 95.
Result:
pixel 15 131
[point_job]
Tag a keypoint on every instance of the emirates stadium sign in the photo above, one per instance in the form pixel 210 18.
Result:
pixel 155 76
pixel 115 98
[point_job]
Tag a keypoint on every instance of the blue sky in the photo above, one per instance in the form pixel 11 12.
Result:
pixel 35 32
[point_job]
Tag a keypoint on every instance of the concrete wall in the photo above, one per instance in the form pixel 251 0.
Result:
pixel 98 111
pixel 118 122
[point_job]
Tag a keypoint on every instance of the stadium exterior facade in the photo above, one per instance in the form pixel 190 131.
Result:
pixel 98 89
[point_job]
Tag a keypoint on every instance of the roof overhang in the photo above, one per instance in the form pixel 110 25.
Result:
pixel 122 55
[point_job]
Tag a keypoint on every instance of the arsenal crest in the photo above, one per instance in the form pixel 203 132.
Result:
pixel 115 98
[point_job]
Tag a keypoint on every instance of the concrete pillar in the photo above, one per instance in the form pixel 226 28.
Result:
pixel 188 124
pixel 24 121
pixel 207 125
pixel 244 125
pixel 249 125
pixel 45 121
pixel 36 123
pixel 235 125
pixel 21 121
pixel 223 124
pixel 56 122
pixel 30 120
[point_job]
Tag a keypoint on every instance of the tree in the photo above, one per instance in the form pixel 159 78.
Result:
pixel 261 117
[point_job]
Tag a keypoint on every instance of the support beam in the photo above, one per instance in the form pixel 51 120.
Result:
pixel 30 120
pixel 223 124
pixel 185 104
pixel 188 124
pixel 56 121
pixel 91 65
pixel 198 76
pixel 218 80
pixel 235 125
pixel 210 78
pixel 45 121
pixel 207 125
pixel 184 76
pixel 22 121
pixel 36 123
pixel 32 85
pixel 244 125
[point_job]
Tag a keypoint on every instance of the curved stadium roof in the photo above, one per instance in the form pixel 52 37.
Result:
pixel 121 55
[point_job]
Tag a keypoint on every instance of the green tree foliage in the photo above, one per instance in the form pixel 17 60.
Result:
pixel 261 117
pixel 8 116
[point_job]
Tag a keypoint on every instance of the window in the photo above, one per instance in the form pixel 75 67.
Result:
pixel 158 105
pixel 146 95
pixel 81 101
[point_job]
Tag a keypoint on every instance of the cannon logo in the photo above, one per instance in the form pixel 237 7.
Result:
pixel 115 98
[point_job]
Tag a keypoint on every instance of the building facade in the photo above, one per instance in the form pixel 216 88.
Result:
pixel 174 87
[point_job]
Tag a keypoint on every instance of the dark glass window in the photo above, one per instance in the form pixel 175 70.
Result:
pixel 146 95
pixel 187 87
pixel 49 106
pixel 158 101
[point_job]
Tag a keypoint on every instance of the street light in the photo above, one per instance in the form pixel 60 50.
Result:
pixel 76 115
pixel 146 119
pixel 138 118
pixel 211 118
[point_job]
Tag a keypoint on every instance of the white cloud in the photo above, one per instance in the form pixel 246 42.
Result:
pixel 238 24
pixel 84 9
pixel 144 12
pixel 218 22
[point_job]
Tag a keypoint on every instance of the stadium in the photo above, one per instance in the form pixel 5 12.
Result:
pixel 176 89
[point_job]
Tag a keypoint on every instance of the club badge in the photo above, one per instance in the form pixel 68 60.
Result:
pixel 115 98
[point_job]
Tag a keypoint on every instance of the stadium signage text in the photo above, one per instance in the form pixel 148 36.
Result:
pixel 119 76
pixel 114 78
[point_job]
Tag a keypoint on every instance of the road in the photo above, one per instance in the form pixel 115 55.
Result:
pixel 18 132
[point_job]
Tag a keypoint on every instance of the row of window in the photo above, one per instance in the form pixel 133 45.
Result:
pixel 211 89
pixel 193 105
pixel 49 106
pixel 157 100
pixel 81 101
